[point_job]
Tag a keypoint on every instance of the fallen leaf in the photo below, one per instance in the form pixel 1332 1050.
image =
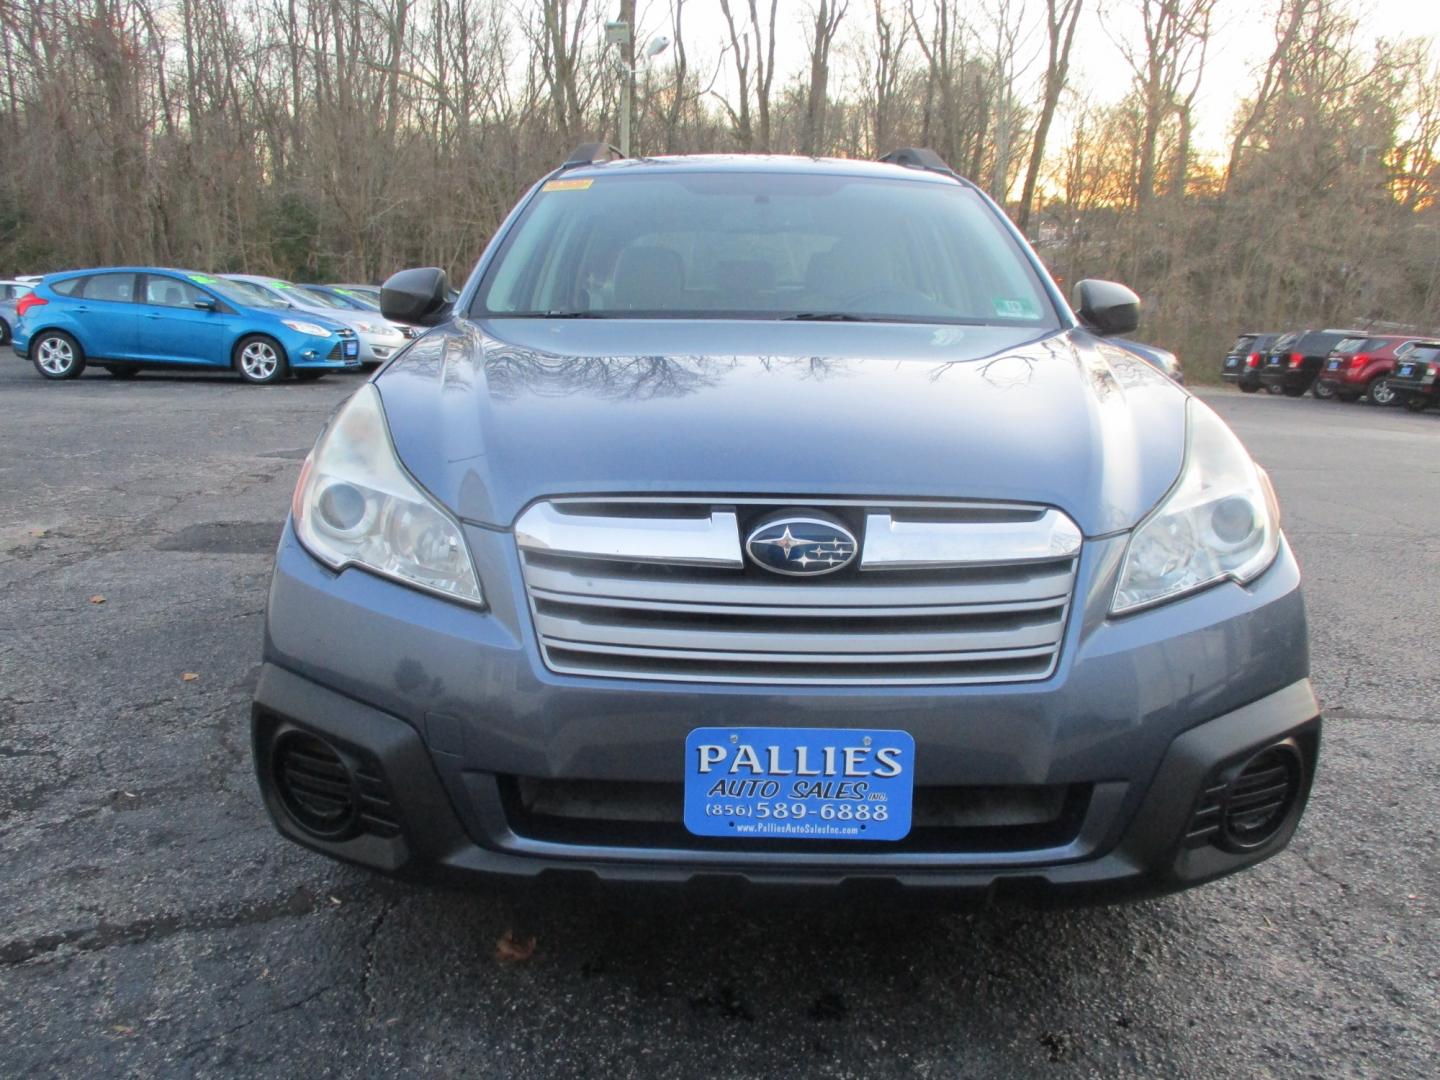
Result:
pixel 121 1029
pixel 512 950
pixel 97 599
pixel 335 900
pixel 189 676
pixel 37 532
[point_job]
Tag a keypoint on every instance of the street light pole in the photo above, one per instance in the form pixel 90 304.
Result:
pixel 619 33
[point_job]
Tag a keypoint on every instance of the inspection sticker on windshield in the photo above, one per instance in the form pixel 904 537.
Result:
pixel 1015 309
pixel 799 783
pixel 566 185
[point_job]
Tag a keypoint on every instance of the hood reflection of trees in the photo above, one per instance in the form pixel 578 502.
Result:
pixel 512 371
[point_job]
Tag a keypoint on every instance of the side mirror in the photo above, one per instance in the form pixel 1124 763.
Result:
pixel 206 303
pixel 1107 307
pixel 417 296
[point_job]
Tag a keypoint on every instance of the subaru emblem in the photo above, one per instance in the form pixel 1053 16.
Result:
pixel 801 546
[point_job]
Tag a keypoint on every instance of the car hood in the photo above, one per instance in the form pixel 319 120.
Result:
pixel 492 416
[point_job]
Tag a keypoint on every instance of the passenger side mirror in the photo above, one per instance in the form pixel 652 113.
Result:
pixel 417 296
pixel 206 303
pixel 1107 307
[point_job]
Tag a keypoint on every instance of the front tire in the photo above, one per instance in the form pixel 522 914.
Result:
pixel 57 355
pixel 1322 390
pixel 1248 388
pixel 4 332
pixel 261 360
pixel 1417 402
pixel 1380 392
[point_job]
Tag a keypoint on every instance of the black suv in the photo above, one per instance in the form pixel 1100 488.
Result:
pixel 1417 376
pixel 1296 359
pixel 1242 362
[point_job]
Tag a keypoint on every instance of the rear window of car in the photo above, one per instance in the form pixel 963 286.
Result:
pixel 120 287
pixel 68 287
pixel 1244 342
pixel 762 245
pixel 1346 346
pixel 1424 354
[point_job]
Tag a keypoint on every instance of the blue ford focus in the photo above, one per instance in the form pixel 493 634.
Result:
pixel 129 318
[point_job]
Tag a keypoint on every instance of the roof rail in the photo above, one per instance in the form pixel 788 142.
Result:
pixel 918 157
pixel 589 153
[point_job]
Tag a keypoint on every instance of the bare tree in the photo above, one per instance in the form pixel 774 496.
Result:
pixel 1061 18
pixel 827 17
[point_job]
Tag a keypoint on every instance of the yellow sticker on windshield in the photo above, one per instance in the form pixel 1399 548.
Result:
pixel 566 185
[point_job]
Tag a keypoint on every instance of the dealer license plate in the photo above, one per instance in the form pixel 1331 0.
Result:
pixel 1406 370
pixel 352 348
pixel 1232 361
pixel 1333 365
pixel 799 783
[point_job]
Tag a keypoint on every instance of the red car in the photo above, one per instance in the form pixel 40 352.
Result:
pixel 1361 367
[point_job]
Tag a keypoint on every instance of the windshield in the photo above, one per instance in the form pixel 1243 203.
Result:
pixel 319 298
pixel 358 300
pixel 241 292
pixel 762 245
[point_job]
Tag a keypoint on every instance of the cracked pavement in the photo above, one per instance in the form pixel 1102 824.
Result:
pixel 156 924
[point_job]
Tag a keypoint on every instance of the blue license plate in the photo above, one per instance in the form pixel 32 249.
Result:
pixel 799 783
pixel 1333 365
pixel 1407 370
pixel 1232 361
pixel 352 348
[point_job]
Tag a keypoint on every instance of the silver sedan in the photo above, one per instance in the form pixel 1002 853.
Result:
pixel 379 338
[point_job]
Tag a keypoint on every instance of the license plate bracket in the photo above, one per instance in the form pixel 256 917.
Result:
pixel 766 783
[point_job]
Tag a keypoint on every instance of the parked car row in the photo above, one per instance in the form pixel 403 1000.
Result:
pixel 127 318
pixel 1338 365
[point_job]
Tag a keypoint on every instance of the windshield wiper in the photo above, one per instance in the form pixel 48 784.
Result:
pixel 555 314
pixel 826 316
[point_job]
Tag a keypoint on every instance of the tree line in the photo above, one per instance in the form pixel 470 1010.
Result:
pixel 330 139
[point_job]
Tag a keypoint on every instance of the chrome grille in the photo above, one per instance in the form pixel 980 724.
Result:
pixel 942 593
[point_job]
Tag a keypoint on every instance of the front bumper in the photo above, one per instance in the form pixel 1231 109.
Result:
pixel 377 348
pixel 449 706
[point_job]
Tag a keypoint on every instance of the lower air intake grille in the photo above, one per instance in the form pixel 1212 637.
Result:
pixel 1246 805
pixel 331 793
pixel 1260 797
pixel 314 785
pixel 939 593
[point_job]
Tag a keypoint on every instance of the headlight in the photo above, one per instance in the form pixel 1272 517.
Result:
pixel 1219 522
pixel 356 506
pixel 300 326
pixel 376 328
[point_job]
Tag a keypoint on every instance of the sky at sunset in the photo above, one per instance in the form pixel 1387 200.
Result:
pixel 1241 40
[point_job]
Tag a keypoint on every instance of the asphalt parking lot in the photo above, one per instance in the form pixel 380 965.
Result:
pixel 154 924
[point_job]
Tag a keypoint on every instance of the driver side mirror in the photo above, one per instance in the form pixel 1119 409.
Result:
pixel 1106 307
pixel 417 296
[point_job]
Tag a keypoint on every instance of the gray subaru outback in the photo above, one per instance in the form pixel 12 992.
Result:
pixel 776 522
